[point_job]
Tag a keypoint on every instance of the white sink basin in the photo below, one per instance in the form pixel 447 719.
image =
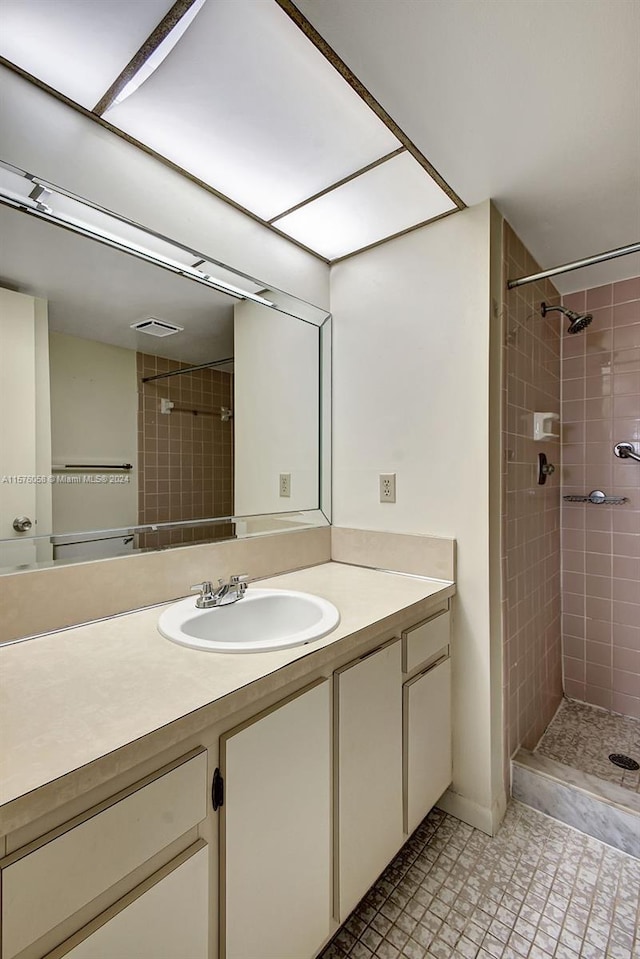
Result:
pixel 263 619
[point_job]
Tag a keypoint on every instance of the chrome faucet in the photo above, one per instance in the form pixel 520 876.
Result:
pixel 223 594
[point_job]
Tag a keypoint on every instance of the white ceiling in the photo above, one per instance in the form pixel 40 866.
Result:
pixel 533 103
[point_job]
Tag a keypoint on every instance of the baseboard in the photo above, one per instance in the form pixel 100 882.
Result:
pixel 481 817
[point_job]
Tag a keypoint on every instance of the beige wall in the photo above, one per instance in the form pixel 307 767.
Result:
pixel 601 544
pixel 276 410
pixel 531 513
pixel 412 352
pixel 94 409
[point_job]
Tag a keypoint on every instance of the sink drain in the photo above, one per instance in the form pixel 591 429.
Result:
pixel 624 762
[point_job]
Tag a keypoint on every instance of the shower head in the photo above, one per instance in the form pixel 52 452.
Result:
pixel 578 321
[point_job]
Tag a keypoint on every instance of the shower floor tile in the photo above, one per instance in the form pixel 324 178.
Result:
pixel 583 737
pixel 536 890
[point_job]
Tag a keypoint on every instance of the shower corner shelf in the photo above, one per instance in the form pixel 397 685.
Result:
pixel 598 498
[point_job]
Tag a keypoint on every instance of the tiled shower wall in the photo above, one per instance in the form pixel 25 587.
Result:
pixel 601 544
pixel 185 459
pixel 531 513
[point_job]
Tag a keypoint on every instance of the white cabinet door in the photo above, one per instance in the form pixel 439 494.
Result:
pixel 276 831
pixel 168 921
pixel 368 704
pixel 427 718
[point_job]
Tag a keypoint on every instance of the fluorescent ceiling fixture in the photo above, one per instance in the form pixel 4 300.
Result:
pixel 249 106
pixel 14 181
pixel 76 47
pixel 110 226
pixel 384 201
pixel 160 53
pixel 82 218
pixel 226 276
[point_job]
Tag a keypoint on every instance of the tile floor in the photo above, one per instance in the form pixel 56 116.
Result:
pixel 538 889
pixel 582 736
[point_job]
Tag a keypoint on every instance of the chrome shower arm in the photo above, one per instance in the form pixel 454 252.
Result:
pixel 626 452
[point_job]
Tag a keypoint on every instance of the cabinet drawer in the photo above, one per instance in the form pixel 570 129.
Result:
pixel 42 887
pixel 167 916
pixel 424 640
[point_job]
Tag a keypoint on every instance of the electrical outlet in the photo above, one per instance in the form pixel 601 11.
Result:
pixel 387 487
pixel 285 484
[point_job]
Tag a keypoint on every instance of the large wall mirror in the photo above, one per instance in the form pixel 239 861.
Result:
pixel 149 396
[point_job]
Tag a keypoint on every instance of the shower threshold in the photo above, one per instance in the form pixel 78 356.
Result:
pixel 569 774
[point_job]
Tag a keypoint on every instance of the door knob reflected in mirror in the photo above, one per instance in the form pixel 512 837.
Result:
pixel 22 524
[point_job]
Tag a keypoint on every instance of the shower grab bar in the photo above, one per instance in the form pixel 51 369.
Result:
pixel 626 452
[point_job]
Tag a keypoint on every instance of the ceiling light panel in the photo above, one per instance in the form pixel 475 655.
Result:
pixel 390 198
pixel 77 48
pixel 247 104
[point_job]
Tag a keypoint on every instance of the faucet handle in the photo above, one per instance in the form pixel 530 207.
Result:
pixel 240 581
pixel 204 589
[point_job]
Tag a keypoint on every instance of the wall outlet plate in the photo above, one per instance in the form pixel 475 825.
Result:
pixel 387 487
pixel 285 484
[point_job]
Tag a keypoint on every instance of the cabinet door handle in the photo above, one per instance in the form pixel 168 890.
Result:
pixel 438 662
pixel 217 790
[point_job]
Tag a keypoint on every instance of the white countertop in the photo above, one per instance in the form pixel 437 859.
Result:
pixel 72 697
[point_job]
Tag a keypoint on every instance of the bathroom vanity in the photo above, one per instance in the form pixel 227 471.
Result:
pixel 163 801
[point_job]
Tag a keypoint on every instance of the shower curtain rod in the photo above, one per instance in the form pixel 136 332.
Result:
pixel 577 265
pixel 188 369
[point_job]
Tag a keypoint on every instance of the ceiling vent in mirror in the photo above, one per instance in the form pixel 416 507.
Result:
pixel 156 327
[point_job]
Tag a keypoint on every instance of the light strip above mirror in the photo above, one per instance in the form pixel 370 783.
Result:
pixel 38 197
